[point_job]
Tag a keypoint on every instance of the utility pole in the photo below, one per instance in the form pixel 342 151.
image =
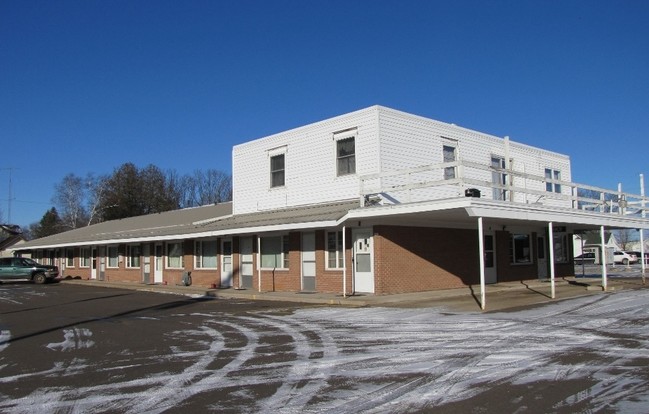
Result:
pixel 10 198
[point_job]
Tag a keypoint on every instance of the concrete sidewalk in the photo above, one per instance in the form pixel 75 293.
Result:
pixel 498 297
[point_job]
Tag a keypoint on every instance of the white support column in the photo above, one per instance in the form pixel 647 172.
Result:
pixel 603 257
pixel 259 264
pixel 481 254
pixel 551 258
pixel 344 265
pixel 642 212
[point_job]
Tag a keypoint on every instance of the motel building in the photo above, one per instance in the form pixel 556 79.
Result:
pixel 376 201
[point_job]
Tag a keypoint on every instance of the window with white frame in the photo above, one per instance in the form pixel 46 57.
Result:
pixel 69 257
pixel 519 248
pixel 346 156
pixel 133 253
pixel 175 257
pixel 113 257
pixel 334 250
pixel 274 252
pixel 449 154
pixel 498 177
pixel 551 174
pixel 277 173
pixel 205 254
pixel 85 257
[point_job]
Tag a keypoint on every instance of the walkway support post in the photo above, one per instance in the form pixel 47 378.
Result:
pixel 642 212
pixel 481 254
pixel 603 257
pixel 259 264
pixel 344 265
pixel 551 250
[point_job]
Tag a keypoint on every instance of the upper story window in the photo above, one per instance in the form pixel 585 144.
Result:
pixel 551 174
pixel 449 154
pixel 346 156
pixel 498 177
pixel 277 170
pixel 277 164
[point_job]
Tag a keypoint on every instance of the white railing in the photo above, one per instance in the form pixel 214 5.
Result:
pixel 452 179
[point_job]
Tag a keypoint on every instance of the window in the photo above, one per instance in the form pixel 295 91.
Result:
pixel 498 178
pixel 346 156
pixel 175 258
pixel 519 248
pixel 449 154
pixel 205 254
pixel 85 257
pixel 69 257
pixel 133 253
pixel 113 256
pixel 277 170
pixel 560 248
pixel 334 250
pixel 551 174
pixel 274 252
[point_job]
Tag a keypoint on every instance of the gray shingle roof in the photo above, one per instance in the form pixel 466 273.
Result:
pixel 195 222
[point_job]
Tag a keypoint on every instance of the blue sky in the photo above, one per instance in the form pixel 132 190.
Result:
pixel 86 86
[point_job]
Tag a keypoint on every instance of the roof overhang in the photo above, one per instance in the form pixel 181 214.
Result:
pixel 463 213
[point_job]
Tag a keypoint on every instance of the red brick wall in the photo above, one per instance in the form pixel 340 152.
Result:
pixel 410 259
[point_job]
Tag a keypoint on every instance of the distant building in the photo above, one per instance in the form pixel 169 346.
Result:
pixel 374 201
pixel 11 236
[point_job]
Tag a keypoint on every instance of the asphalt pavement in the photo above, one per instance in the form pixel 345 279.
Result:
pixel 498 297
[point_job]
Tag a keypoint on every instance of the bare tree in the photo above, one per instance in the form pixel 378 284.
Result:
pixel 212 186
pixel 625 237
pixel 69 197
pixel 96 187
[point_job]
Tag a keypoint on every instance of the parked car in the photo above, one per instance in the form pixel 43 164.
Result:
pixel 585 258
pixel 624 258
pixel 22 268
pixel 638 255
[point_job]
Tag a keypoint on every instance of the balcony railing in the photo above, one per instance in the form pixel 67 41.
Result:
pixel 452 179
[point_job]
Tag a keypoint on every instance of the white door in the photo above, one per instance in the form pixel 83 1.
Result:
pixel 308 261
pixel 93 263
pixel 490 273
pixel 158 264
pixel 226 263
pixel 363 260
pixel 245 245
pixel 541 257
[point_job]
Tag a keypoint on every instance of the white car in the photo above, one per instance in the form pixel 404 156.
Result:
pixel 624 258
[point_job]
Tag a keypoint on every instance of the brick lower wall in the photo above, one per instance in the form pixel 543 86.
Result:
pixel 411 259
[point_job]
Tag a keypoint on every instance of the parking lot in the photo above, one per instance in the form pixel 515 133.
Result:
pixel 70 348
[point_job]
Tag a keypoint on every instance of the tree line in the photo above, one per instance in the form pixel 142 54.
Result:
pixel 129 191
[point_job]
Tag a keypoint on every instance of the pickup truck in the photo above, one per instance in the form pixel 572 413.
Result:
pixel 22 268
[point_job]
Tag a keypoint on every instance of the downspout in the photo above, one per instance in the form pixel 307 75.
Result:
pixel 603 247
pixel 481 254
pixel 551 250
pixel 344 265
